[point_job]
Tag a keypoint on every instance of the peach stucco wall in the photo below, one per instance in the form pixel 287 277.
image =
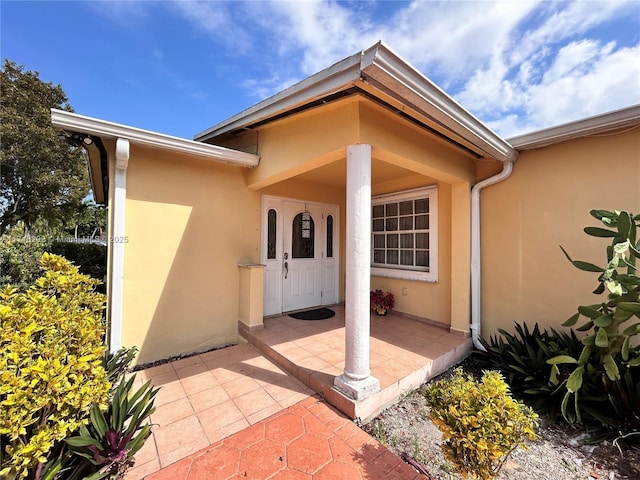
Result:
pixel 545 203
pixel 189 223
pixel 303 142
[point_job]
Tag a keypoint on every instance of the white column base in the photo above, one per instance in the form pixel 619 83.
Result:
pixel 357 389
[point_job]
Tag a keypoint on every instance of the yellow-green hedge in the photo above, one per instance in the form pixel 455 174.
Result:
pixel 51 348
pixel 481 423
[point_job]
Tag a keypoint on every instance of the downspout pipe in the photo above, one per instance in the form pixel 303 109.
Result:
pixel 507 168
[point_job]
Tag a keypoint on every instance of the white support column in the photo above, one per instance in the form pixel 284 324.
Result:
pixel 356 382
pixel 117 243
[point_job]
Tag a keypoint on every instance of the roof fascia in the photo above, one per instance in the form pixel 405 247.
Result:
pixel 618 119
pixel 101 128
pixel 321 84
pixel 388 72
pixel 393 76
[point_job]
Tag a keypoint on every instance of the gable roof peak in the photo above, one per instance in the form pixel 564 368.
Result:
pixel 391 77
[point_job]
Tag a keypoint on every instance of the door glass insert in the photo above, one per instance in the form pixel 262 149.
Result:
pixel 302 236
pixel 272 217
pixel 329 236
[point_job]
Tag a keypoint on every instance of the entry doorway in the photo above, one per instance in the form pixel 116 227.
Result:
pixel 300 252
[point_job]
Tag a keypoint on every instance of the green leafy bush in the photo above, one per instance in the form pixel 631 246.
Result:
pixel 608 353
pixel 90 258
pixel 66 410
pixel 481 423
pixel 105 445
pixel 51 372
pixel 19 260
pixel 522 359
pixel 117 364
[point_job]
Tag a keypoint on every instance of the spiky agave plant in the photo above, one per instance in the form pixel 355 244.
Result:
pixel 113 437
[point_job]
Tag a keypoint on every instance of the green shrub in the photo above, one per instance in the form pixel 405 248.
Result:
pixel 67 411
pixel 19 260
pixel 608 354
pixel 20 257
pixel 522 359
pixel 105 445
pixel 90 258
pixel 51 363
pixel 481 423
pixel 117 364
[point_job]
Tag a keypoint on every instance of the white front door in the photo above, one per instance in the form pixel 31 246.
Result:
pixel 302 282
pixel 300 253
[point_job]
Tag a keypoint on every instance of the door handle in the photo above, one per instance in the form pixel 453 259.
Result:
pixel 286 269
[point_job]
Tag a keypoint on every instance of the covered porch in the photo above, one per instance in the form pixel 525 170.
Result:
pixel 405 352
pixel 382 210
pixel 365 179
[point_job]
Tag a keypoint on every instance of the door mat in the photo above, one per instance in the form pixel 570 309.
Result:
pixel 317 314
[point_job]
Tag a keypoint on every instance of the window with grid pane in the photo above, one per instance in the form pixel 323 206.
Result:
pixel 401 230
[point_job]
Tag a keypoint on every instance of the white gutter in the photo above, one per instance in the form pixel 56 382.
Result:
pixel 627 117
pixel 101 128
pixel 389 75
pixel 321 84
pixel 507 168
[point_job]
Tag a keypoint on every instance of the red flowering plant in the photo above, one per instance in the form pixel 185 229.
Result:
pixel 381 302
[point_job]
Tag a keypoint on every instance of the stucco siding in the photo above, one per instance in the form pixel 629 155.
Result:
pixel 188 225
pixel 413 148
pixel 303 142
pixel 545 203
pixel 425 299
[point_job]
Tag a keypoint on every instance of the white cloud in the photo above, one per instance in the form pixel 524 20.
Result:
pixel 216 19
pixel 451 39
pixel 602 79
pixel 264 88
pixel 447 39
pixel 563 20
pixel 543 78
pixel 123 12
pixel 516 65
pixel 325 32
pixel 585 78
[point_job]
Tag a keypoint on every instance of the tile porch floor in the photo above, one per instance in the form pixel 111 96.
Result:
pixel 208 402
pixel 404 353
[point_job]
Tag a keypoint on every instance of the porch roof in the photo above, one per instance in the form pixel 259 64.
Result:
pixel 384 76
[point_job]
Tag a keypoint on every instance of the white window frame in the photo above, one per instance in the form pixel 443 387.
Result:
pixel 411 273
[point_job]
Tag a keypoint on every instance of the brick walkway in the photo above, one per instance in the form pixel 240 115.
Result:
pixel 308 441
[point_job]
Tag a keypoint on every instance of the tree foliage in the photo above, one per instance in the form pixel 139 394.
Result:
pixel 43 178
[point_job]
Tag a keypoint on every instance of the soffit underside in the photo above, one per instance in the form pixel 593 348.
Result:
pixel 402 140
pixel 335 174
pixel 365 93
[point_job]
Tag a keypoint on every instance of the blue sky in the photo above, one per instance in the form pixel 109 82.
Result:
pixel 181 67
